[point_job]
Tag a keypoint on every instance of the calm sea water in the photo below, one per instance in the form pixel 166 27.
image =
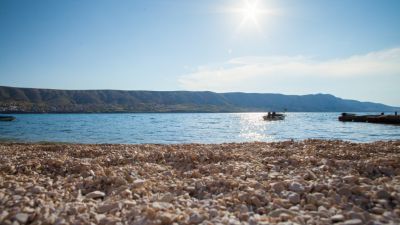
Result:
pixel 188 128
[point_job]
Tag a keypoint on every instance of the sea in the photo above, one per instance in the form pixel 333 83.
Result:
pixel 172 128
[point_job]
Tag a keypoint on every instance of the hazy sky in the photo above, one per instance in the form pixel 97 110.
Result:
pixel 349 48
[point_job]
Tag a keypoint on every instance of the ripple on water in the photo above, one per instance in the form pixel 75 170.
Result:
pixel 186 128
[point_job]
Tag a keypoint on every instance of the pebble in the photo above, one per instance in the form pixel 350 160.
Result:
pixel 38 189
pixel 278 187
pixel 3 215
pixel 110 220
pixel 19 190
pixel 161 205
pixel 344 191
pixel 195 218
pixel 296 187
pixel 138 183
pixel 166 218
pixel 95 194
pixel 213 213
pixel 350 179
pixel 99 217
pixel 377 210
pixel 108 207
pixel 278 212
pixel 305 182
pixel 337 218
pixel 168 197
pixel 382 194
pixel 294 198
pixel 22 217
pixel 126 193
pixel 353 222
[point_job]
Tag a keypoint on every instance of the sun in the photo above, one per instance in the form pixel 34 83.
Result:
pixel 250 12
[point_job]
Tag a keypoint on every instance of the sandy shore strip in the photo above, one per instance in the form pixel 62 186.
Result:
pixel 308 182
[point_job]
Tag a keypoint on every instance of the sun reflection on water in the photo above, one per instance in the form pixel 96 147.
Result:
pixel 253 127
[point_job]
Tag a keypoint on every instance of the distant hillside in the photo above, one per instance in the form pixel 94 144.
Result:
pixel 30 100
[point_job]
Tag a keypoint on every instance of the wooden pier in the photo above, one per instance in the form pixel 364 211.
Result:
pixel 384 119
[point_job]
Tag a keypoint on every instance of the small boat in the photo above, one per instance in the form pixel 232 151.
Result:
pixel 7 118
pixel 384 119
pixel 274 116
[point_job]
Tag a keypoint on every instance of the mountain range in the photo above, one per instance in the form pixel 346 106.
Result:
pixel 33 100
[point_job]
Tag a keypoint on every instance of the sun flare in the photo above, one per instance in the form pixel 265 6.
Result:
pixel 250 11
pixel 250 15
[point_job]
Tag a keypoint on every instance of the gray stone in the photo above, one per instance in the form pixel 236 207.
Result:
pixel 296 187
pixel 278 212
pixel 213 213
pixel 108 207
pixel 294 198
pixel 38 189
pixel 382 194
pixel 19 190
pixel 22 217
pixel 195 218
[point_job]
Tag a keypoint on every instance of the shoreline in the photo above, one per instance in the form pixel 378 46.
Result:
pixel 303 182
pixel 187 112
pixel 34 142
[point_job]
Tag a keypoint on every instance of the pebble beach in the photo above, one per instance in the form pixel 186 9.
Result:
pixel 305 182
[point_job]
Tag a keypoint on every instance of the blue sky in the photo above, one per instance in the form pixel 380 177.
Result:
pixel 349 48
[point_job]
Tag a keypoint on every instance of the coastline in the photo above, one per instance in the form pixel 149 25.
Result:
pixel 304 182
